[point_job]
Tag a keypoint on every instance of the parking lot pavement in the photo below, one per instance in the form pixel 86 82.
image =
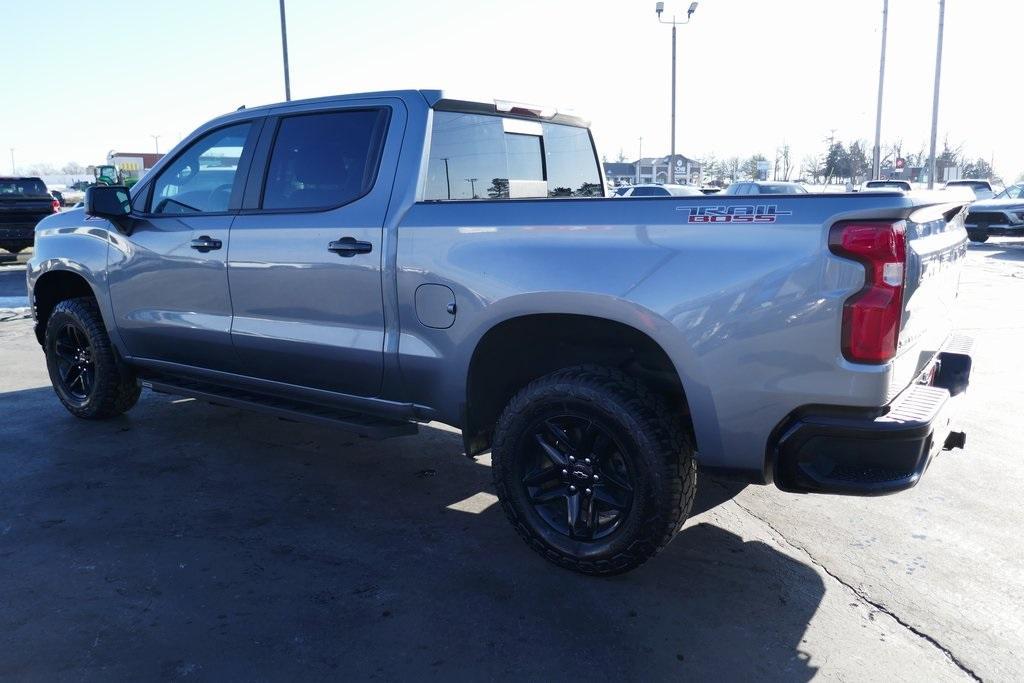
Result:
pixel 187 539
pixel 12 282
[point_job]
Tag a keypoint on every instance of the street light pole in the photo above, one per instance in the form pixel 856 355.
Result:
pixel 935 98
pixel 284 52
pixel 659 8
pixel 472 186
pixel 13 172
pixel 876 159
pixel 156 143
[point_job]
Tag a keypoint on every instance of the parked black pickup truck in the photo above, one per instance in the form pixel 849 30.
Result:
pixel 23 203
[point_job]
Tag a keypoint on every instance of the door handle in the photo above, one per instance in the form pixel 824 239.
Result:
pixel 349 246
pixel 205 243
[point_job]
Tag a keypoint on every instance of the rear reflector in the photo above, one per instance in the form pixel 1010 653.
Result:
pixel 872 316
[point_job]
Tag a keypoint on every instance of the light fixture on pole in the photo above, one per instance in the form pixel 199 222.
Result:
pixel 876 158
pixel 659 7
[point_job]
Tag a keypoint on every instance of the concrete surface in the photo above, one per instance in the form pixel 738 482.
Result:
pixel 12 282
pixel 190 541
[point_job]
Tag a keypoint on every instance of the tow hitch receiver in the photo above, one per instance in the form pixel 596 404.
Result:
pixel 954 440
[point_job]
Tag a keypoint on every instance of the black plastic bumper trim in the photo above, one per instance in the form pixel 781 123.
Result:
pixel 853 452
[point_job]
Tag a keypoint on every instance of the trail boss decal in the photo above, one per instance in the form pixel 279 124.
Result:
pixel 738 213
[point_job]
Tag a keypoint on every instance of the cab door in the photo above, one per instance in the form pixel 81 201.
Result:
pixel 168 277
pixel 306 255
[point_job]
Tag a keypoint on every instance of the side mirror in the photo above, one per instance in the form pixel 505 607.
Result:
pixel 111 202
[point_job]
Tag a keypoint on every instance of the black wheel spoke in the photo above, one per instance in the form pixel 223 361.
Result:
pixel 541 476
pixel 547 496
pixel 558 434
pixel 610 477
pixel 609 499
pixel 573 505
pixel 86 380
pixel 556 456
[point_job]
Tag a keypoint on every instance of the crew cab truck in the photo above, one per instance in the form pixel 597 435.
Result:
pixel 387 259
pixel 24 201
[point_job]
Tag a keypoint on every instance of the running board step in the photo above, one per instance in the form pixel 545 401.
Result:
pixel 362 424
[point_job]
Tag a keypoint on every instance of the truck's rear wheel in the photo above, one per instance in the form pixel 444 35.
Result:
pixel 976 236
pixel 592 469
pixel 84 370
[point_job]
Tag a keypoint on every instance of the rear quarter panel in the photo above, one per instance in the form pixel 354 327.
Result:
pixel 749 314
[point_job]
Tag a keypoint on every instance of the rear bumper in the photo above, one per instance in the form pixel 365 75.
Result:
pixel 23 234
pixel 849 451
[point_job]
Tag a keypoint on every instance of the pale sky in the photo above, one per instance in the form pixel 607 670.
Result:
pixel 82 78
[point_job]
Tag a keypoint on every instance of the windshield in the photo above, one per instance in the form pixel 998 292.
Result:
pixel 23 187
pixel 1012 192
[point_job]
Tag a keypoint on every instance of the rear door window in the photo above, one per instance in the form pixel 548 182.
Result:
pixel 324 160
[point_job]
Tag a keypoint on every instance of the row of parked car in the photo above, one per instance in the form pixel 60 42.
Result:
pixel 995 212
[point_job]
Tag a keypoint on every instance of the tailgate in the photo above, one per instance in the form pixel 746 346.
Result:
pixel 936 250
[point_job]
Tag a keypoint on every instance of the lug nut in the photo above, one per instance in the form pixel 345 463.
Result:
pixel 572 489
pixel 586 460
pixel 588 492
pixel 595 477
pixel 572 458
pixel 565 471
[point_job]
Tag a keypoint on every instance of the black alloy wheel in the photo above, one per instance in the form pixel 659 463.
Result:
pixel 575 476
pixel 75 365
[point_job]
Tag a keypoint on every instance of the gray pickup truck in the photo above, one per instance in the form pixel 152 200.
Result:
pixel 386 259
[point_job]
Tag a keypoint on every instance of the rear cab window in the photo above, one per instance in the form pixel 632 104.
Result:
pixel 480 156
pixel 22 187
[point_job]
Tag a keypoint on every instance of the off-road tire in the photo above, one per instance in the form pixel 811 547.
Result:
pixel 114 389
pixel 658 444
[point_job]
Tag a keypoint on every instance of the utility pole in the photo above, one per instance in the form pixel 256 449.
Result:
pixel 284 52
pixel 447 178
pixel 876 159
pixel 156 143
pixel 659 8
pixel 639 158
pixel 935 97
pixel 472 185
pixel 13 172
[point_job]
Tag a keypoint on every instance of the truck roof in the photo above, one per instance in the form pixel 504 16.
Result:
pixel 446 100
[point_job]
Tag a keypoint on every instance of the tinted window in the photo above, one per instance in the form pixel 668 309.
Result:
pixel 525 156
pixel 25 187
pixel 472 157
pixel 571 164
pixel 778 189
pixel 1012 192
pixel 201 179
pixel 649 192
pixel 324 160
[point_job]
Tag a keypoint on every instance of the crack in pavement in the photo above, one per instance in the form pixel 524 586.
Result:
pixel 862 596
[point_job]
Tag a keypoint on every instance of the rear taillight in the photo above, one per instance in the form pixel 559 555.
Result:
pixel 872 316
pixel 56 205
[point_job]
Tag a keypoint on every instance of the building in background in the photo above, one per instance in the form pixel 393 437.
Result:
pixel 653 170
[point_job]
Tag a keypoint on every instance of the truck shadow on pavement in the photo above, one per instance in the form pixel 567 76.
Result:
pixel 1003 250
pixel 188 539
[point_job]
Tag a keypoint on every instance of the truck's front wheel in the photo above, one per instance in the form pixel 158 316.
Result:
pixel 84 370
pixel 592 469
